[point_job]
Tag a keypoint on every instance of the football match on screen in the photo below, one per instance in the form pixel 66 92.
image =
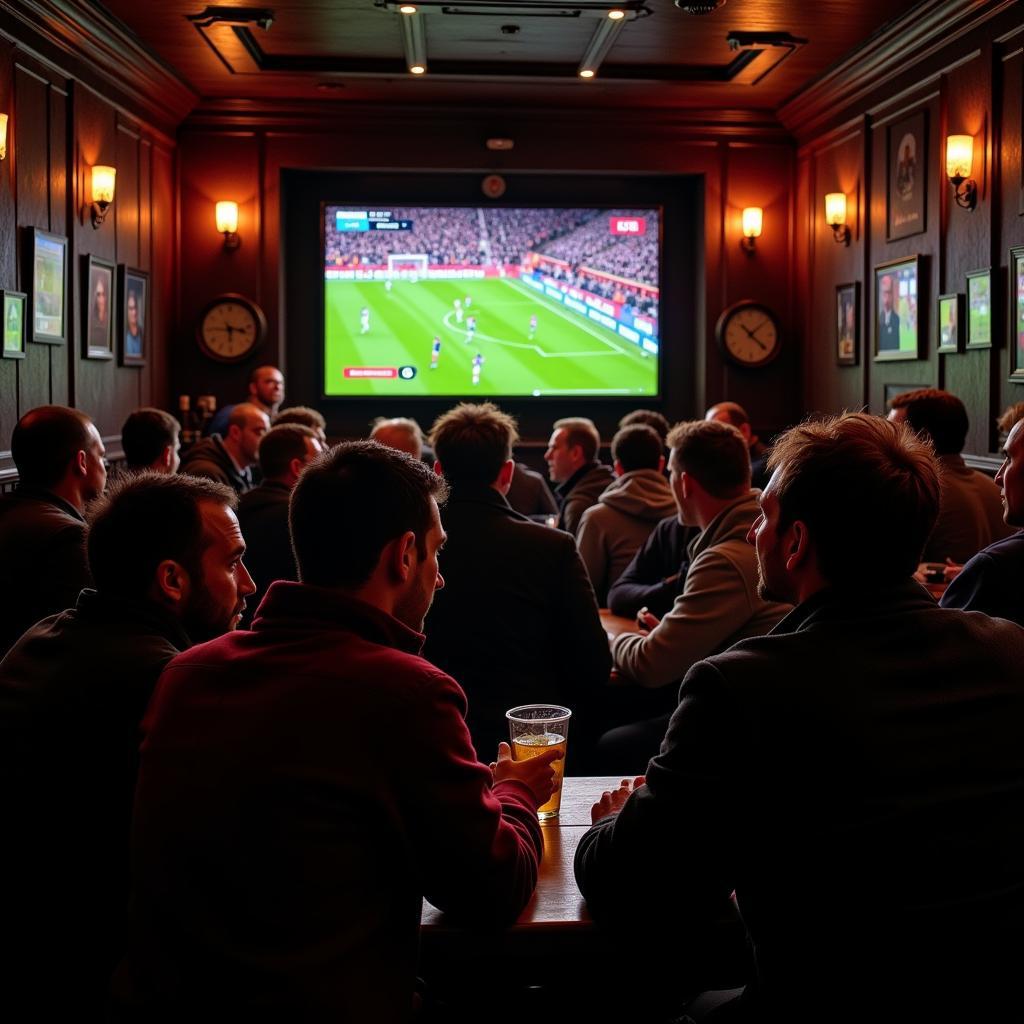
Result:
pixel 429 301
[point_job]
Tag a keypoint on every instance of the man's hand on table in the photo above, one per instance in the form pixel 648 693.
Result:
pixel 536 772
pixel 646 620
pixel 612 800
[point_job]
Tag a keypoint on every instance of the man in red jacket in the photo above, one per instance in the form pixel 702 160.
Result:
pixel 305 785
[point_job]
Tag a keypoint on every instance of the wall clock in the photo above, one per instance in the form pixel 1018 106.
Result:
pixel 748 334
pixel 230 328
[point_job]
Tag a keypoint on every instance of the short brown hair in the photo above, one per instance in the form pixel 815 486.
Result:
pixel 1012 414
pixel 579 430
pixel 242 413
pixel 714 453
pixel 403 425
pixel 939 414
pixel 473 442
pixel 733 412
pixel 637 447
pixel 650 418
pixel 145 435
pixel 44 442
pixel 868 490
pixel 303 415
pixel 281 444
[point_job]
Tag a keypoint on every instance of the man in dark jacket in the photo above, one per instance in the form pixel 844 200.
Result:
pixel 164 552
pixel 305 785
pixel 517 622
pixel 59 455
pixel 229 459
pixel 856 776
pixel 263 511
pixel 572 464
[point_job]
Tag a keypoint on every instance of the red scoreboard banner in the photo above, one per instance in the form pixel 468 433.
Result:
pixel 628 225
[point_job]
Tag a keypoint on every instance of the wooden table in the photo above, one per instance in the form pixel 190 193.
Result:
pixel 616 624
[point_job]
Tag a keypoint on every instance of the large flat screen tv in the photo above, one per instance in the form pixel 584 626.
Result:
pixel 453 301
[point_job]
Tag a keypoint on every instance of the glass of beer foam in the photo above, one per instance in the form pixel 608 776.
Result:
pixel 535 728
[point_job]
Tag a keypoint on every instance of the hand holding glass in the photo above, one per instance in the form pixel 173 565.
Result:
pixel 535 728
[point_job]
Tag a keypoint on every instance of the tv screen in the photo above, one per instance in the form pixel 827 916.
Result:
pixel 454 301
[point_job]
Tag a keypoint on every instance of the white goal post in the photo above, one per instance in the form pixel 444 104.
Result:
pixel 408 266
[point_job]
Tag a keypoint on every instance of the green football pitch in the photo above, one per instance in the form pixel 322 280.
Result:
pixel 568 355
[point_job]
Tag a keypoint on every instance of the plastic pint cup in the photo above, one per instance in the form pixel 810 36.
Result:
pixel 535 728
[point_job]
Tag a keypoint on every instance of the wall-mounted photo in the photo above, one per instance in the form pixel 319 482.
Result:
pixel 133 287
pixel 908 181
pixel 1017 314
pixel 14 305
pixel 97 308
pixel 48 274
pixel 848 323
pixel 897 310
pixel 949 319
pixel 979 309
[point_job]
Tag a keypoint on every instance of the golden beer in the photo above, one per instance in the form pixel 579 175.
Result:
pixel 524 747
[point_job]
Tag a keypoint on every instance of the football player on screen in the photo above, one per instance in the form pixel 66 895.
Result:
pixel 364 320
pixel 533 326
pixel 478 362
pixel 470 328
pixel 435 352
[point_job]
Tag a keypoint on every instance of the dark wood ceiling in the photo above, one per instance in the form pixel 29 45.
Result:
pixel 352 50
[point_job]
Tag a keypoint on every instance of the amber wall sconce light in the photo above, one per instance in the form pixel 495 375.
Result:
pixel 3 136
pixel 835 217
pixel 102 192
pixel 752 221
pixel 227 223
pixel 959 160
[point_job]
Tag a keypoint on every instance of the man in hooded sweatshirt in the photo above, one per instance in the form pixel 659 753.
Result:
pixel 612 531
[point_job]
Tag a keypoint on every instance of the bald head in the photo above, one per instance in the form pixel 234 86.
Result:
pixel 733 414
pixel 246 427
pixel 400 433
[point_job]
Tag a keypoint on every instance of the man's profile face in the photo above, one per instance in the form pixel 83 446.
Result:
pixel 269 387
pixel 1010 477
pixel 96 465
pixel 251 434
pixel 100 300
pixel 675 481
pixel 217 600
pixel 415 603
pixel 175 454
pixel 563 460
pixel 887 294
pixel 773 580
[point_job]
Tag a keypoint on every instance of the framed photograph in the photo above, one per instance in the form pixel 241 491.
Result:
pixel 907 181
pixel 97 308
pixel 1017 314
pixel 14 306
pixel 848 324
pixel 949 315
pixel 48 274
pixel 897 310
pixel 979 309
pixel 133 320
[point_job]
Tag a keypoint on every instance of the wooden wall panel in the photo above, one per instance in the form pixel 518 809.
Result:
pixel 10 369
pixel 62 362
pixel 160 205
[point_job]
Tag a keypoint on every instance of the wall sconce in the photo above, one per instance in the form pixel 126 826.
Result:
pixel 227 223
pixel 102 192
pixel 959 158
pixel 3 136
pixel 752 220
pixel 835 216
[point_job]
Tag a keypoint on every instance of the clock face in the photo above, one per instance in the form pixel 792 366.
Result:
pixel 749 334
pixel 230 328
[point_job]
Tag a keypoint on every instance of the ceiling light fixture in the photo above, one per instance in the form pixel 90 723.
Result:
pixel 600 43
pixel 414 40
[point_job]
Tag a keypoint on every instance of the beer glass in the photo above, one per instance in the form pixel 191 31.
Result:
pixel 535 728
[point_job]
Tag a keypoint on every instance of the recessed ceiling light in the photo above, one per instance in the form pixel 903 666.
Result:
pixel 616 15
pixel 417 69
pixel 407 9
pixel 586 73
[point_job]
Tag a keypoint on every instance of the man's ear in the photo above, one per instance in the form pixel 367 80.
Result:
pixel 173 583
pixel 438 468
pixel 661 464
pixel 685 484
pixel 617 468
pixel 81 463
pixel 798 546
pixel 402 556
pixel 167 456
pixel 504 480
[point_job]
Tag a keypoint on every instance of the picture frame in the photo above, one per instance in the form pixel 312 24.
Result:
pixel 14 306
pixel 949 323
pixel 848 324
pixel 906 164
pixel 133 316
pixel 898 310
pixel 48 273
pixel 1016 264
pixel 97 308
pixel 979 309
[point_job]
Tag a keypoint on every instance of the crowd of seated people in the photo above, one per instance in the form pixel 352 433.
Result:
pixel 389 592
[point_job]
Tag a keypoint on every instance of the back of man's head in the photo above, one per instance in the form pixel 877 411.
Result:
pixel 650 418
pixel 305 417
pixel 146 435
pixel 350 503
pixel 938 414
pixel 46 441
pixel 637 447
pixel 868 490
pixel 473 442
pixel 280 445
pixel 401 433
pixel 581 431
pixel 715 454
pixel 145 519
pixel 728 412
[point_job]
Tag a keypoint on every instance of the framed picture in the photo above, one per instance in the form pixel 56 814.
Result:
pixel 907 181
pixel 97 308
pixel 897 310
pixel 48 274
pixel 949 315
pixel 133 320
pixel 979 309
pixel 848 324
pixel 14 305
pixel 1017 314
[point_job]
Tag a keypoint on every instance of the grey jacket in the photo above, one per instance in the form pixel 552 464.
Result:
pixel 612 531
pixel 579 492
pixel 718 606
